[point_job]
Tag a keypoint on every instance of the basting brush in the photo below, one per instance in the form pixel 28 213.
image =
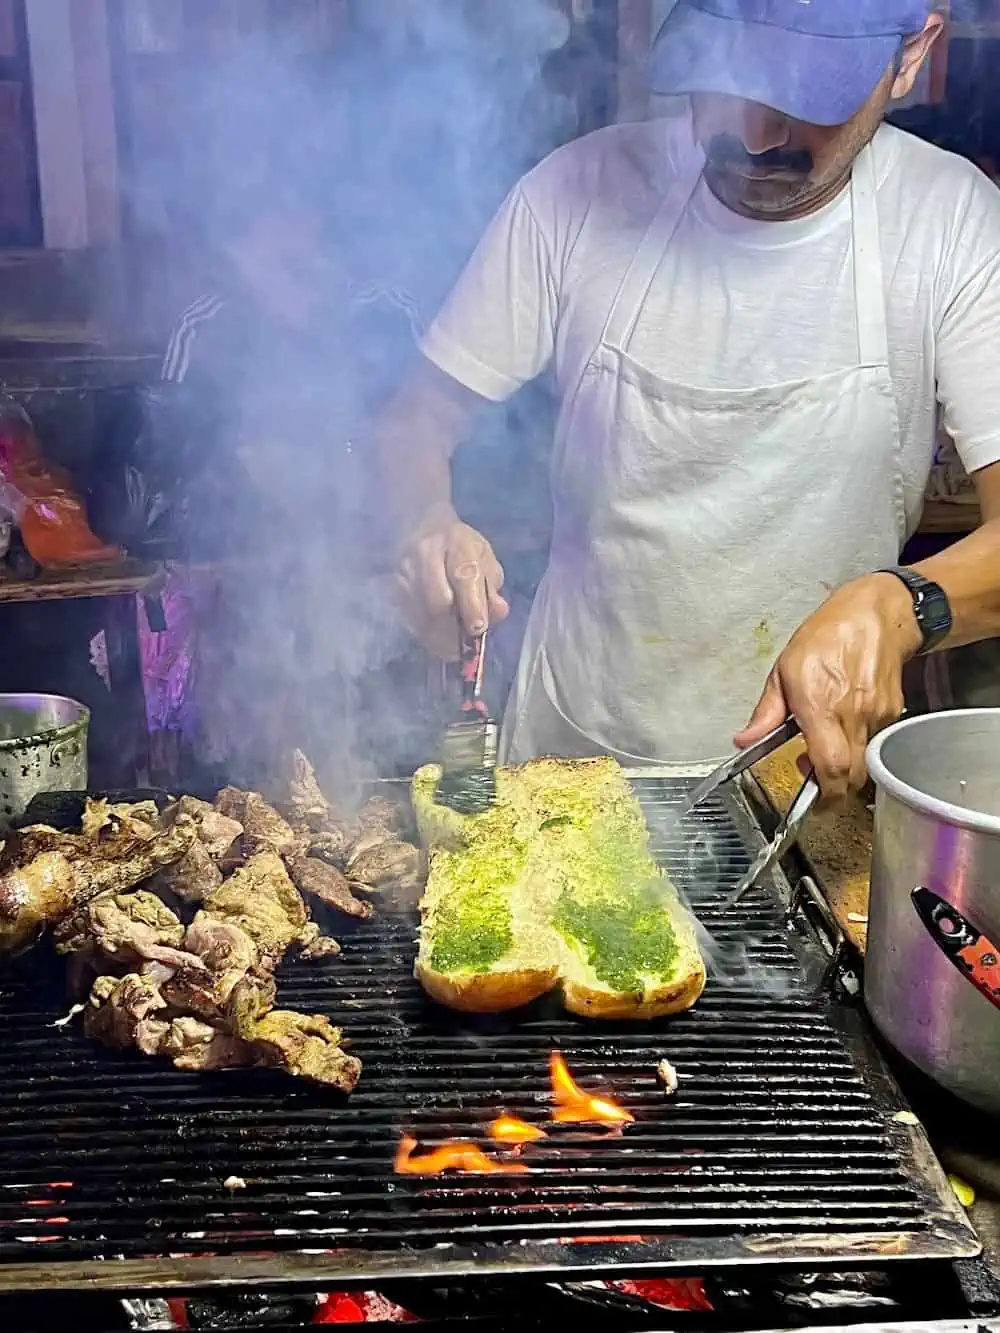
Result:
pixel 469 748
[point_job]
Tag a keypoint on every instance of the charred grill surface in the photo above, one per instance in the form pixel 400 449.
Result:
pixel 776 1147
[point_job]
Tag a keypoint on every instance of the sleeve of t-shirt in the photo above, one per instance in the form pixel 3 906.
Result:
pixel 497 329
pixel 968 334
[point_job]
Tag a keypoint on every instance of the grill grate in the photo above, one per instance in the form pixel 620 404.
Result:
pixel 776 1147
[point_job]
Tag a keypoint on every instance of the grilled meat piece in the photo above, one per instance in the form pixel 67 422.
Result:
pixel 121 1012
pixel 192 877
pixel 264 830
pixel 382 814
pixel 197 1047
pixel 45 874
pixel 319 946
pixel 141 819
pixel 308 1046
pixel 308 808
pixel 216 830
pixel 127 929
pixel 262 901
pixel 319 880
pixel 389 864
pixel 330 845
pixel 130 1011
pixel 234 991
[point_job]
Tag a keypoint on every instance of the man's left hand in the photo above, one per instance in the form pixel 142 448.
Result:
pixel 841 678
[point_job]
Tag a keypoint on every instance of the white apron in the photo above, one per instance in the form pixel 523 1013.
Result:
pixel 695 529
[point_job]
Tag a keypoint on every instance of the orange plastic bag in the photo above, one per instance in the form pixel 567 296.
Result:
pixel 52 518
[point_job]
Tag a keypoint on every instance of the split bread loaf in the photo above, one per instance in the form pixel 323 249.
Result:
pixel 554 886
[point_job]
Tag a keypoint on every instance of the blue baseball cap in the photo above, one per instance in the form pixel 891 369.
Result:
pixel 814 60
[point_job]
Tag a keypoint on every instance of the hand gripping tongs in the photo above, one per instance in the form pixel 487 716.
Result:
pixel 788 829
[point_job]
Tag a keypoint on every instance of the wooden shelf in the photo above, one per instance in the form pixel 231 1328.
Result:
pixel 943 519
pixel 59 585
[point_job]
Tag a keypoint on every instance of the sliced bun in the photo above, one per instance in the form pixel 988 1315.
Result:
pixel 554 887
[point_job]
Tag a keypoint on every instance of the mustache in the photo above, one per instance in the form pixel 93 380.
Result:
pixel 725 152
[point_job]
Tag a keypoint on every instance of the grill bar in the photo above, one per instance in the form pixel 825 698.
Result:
pixel 778 1147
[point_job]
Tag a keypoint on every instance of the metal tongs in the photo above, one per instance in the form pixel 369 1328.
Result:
pixel 788 829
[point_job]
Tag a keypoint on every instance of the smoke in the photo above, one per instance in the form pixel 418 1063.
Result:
pixel 333 198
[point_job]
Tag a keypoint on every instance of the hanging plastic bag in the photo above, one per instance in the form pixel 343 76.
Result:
pixel 51 516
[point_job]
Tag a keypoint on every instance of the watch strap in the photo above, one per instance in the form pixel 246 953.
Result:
pixel 930 605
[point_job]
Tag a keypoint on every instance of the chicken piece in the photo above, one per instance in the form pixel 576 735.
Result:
pixel 389 864
pixel 322 946
pixel 382 813
pixel 308 808
pixel 44 874
pixel 128 930
pixel 192 877
pixel 234 992
pixel 308 1046
pixel 33 895
pixel 121 1013
pixel 141 819
pixel 261 899
pixel 216 831
pixel 319 880
pixel 264 830
pixel 196 1047
pixel 330 845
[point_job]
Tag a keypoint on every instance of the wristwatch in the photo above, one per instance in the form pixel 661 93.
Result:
pixel 930 605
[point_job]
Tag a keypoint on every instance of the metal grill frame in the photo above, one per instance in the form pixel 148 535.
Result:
pixel 946 1233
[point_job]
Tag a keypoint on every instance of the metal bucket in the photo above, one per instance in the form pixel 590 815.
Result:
pixel 932 978
pixel 43 747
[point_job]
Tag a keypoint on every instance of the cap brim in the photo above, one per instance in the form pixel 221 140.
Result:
pixel 820 80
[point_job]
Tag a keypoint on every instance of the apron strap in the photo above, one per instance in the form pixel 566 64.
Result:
pixel 869 278
pixel 869 285
pixel 631 295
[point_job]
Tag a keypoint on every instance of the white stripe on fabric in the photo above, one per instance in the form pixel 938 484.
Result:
pixel 177 361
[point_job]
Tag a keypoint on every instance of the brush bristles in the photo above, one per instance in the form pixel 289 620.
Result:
pixel 465 746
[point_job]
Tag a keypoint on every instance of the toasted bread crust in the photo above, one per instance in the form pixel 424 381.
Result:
pixel 486 992
pixel 588 1002
pixel 540 960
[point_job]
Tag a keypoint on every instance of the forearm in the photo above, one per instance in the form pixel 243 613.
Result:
pixel 415 439
pixel 969 572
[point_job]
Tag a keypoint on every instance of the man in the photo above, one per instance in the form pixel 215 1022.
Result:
pixel 750 315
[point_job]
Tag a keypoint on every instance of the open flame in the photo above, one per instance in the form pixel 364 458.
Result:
pixel 455 1156
pixel 576 1107
pixel 508 1129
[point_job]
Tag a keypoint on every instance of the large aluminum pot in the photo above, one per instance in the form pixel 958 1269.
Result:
pixel 930 966
pixel 43 747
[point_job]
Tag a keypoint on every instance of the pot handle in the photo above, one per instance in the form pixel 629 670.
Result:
pixel 68 749
pixel 962 943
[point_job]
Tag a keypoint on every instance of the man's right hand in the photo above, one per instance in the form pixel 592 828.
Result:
pixel 449 583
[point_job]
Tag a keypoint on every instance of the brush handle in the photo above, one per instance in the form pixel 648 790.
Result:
pixel 473 662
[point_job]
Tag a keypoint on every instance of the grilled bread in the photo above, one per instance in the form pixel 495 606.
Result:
pixel 553 886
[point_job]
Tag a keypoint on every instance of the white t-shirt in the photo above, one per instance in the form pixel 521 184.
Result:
pixel 739 303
